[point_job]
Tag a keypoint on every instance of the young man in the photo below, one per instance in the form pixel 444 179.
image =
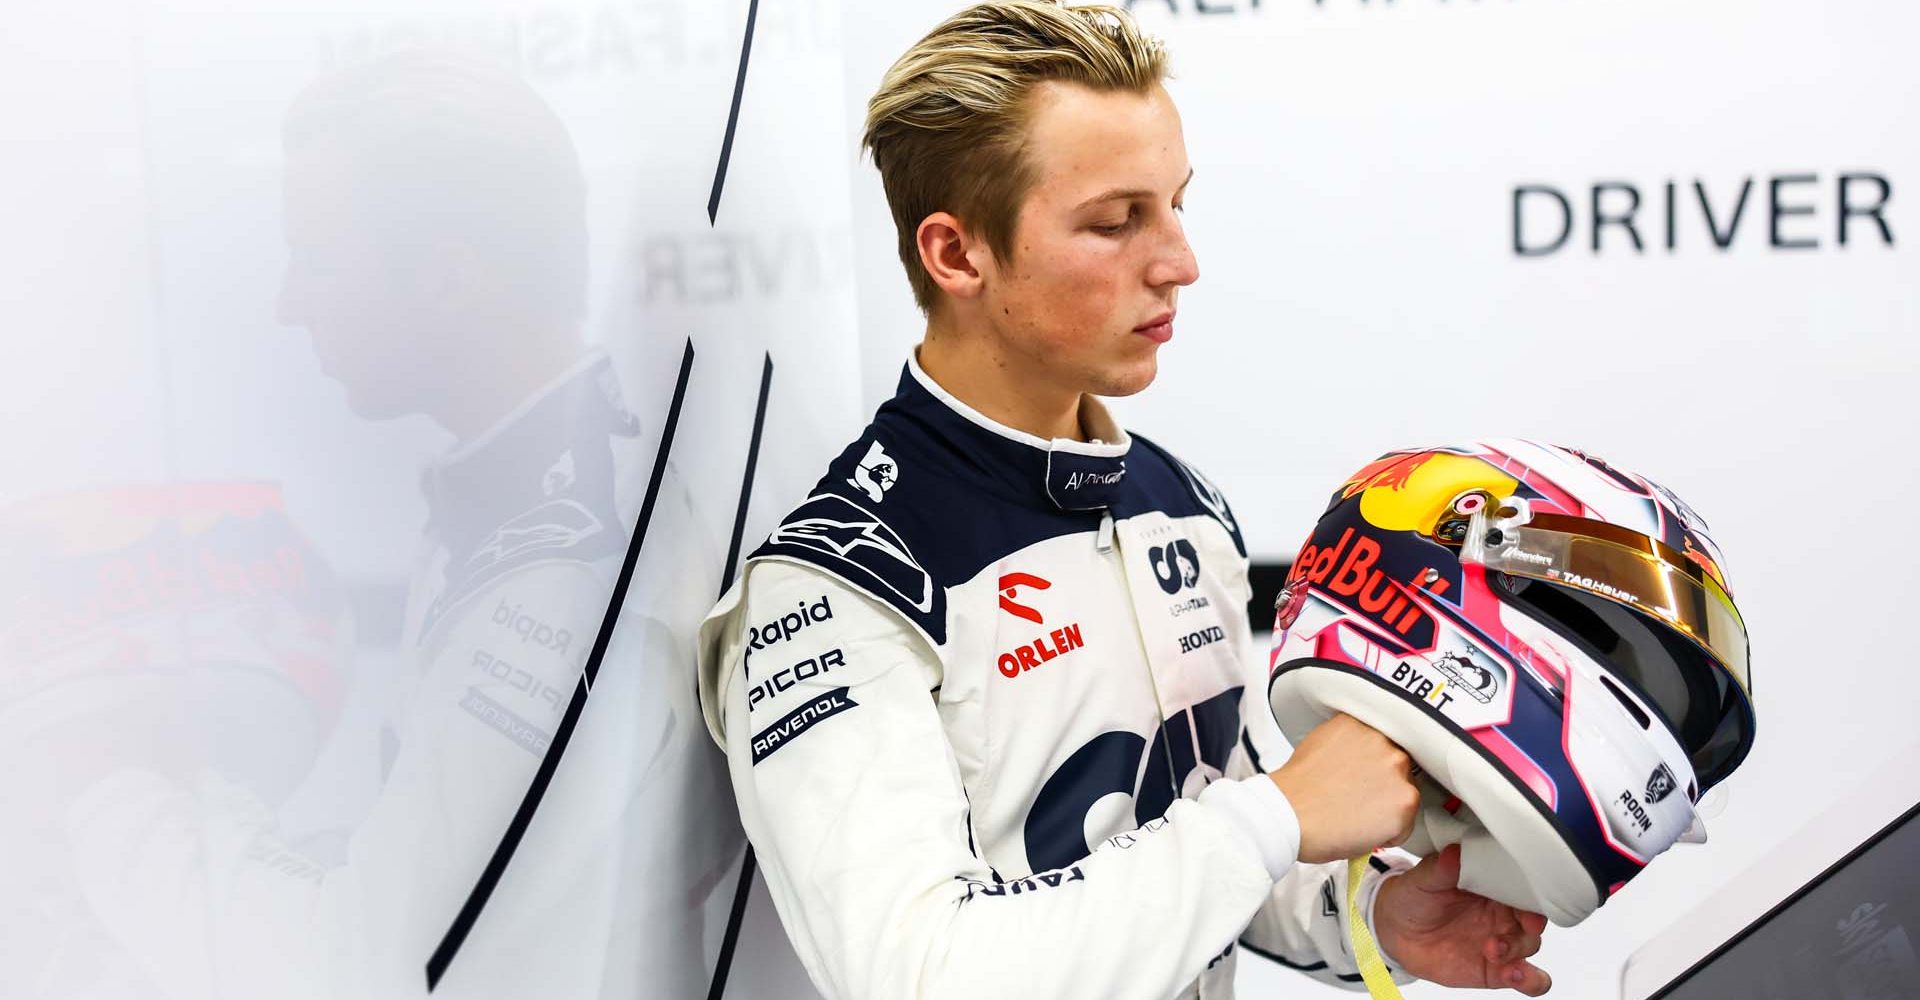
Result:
pixel 989 696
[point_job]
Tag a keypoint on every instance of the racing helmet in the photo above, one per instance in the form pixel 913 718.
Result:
pixel 1550 638
pixel 134 613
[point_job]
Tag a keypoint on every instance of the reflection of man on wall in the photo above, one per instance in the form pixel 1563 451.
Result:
pixel 435 218
pixel 186 629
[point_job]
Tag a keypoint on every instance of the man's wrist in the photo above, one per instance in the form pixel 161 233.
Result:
pixel 1368 901
pixel 1258 809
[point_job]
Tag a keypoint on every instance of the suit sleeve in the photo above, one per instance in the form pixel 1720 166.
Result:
pixel 850 793
pixel 195 879
pixel 1303 923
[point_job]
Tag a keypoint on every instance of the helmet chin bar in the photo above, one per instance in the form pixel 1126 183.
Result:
pixel 1511 850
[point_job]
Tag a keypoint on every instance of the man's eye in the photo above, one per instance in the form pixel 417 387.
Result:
pixel 1115 228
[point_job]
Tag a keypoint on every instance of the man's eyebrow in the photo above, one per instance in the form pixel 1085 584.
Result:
pixel 1130 193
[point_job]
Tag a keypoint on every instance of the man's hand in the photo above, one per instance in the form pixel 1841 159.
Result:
pixel 1429 926
pixel 1350 788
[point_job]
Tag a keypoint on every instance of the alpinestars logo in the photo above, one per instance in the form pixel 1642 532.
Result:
pixel 1660 784
pixel 836 533
pixel 859 542
pixel 1010 585
pixel 1075 480
pixel 840 537
pixel 875 474
pixel 556 524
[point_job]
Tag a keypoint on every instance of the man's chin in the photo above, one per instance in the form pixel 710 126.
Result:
pixel 377 403
pixel 1127 379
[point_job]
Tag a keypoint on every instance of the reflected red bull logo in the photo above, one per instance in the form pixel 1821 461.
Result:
pixel 1704 559
pixel 135 576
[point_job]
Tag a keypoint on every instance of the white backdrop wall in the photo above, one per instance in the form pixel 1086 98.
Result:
pixel 318 476
pixel 1353 214
pixel 345 345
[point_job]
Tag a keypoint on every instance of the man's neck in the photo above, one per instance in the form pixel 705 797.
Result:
pixel 1002 388
pixel 498 385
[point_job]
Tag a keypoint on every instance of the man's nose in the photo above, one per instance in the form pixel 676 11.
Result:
pixel 1174 263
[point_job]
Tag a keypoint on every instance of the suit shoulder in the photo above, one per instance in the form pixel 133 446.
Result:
pixel 1178 489
pixel 851 542
pixel 848 529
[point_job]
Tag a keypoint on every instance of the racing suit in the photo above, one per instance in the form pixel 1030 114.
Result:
pixel 995 726
pixel 528 524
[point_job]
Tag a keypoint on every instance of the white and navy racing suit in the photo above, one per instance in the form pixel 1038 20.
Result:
pixel 996 728
pixel 529 523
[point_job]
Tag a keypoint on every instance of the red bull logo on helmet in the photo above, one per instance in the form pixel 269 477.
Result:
pixel 1346 570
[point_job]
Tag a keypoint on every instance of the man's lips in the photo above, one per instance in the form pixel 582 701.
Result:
pixel 1158 329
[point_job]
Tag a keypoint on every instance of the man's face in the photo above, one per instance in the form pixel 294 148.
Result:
pixel 1099 252
pixel 358 282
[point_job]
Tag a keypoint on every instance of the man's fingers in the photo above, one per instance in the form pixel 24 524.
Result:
pixel 1506 923
pixel 1525 942
pixel 1523 945
pixel 1527 978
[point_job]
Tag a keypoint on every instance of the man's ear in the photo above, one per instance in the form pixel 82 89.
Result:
pixel 949 253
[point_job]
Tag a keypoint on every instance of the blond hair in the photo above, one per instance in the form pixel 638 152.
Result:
pixel 947 128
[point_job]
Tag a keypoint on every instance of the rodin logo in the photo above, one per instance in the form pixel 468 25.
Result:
pixel 1797 211
pixel 1640 822
pixel 1659 783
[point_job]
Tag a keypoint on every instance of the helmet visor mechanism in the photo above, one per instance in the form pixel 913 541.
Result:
pixel 1655 617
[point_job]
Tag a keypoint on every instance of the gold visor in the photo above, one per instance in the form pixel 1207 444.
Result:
pixel 1628 568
